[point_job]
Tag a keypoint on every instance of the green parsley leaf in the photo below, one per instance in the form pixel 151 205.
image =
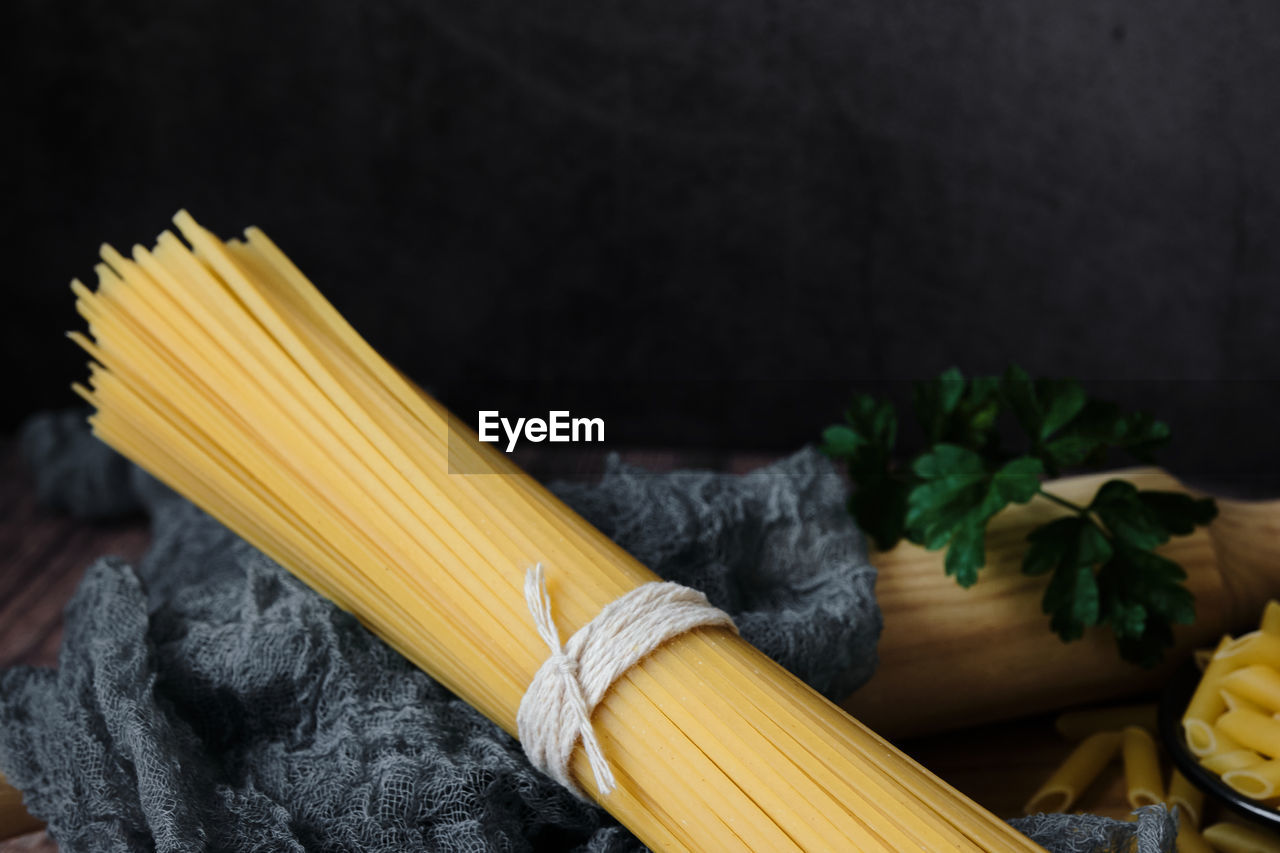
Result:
pixel 1142 435
pixel 955 481
pixel 936 400
pixel 1072 540
pixel 1127 517
pixel 953 410
pixel 873 419
pixel 1070 548
pixel 1143 595
pixel 1018 480
pixel 1178 513
pixel 840 440
pixel 1100 560
pixel 968 551
pixel 1098 427
pixel 1048 543
pixel 1045 406
pixel 1071 599
pixel 1069 429
pixel 1148 519
pixel 956 498
pixel 865 443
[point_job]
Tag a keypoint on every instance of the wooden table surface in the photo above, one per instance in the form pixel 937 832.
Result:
pixel 43 556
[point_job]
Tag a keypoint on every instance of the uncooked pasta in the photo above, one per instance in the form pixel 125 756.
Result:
pixel 221 369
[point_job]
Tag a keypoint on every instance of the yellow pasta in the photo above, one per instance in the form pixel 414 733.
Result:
pixel 1256 683
pixel 1206 705
pixel 1190 840
pixel 1187 797
pixel 1231 723
pixel 1141 768
pixel 1236 759
pixel 1261 781
pixel 1077 725
pixel 1256 647
pixel 1235 702
pixel 1075 774
pixel 223 371
pixel 1236 838
pixel 1253 730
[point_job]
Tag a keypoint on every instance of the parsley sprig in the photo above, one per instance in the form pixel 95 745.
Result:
pixel 1100 559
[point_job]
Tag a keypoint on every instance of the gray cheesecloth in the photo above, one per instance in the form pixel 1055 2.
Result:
pixel 207 700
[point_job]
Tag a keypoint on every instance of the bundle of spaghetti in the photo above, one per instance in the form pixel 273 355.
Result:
pixel 221 369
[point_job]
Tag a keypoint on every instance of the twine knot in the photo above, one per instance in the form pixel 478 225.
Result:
pixel 555 712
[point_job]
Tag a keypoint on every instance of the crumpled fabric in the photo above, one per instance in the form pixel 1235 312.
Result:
pixel 205 699
pixel 1155 829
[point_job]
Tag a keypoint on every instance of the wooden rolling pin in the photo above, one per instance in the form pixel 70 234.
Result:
pixel 953 657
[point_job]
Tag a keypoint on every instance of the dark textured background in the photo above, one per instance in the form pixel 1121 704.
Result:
pixel 728 192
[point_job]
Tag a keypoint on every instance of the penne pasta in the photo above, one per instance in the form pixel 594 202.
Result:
pixel 1190 840
pixel 1255 683
pixel 1237 838
pixel 1141 768
pixel 1222 743
pixel 1255 647
pixel 1259 781
pixel 1236 702
pixel 1075 774
pixel 1252 729
pixel 1232 726
pixel 1188 799
pixel 1236 759
pixel 1207 705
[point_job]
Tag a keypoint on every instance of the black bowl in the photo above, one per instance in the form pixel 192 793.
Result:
pixel 1173 701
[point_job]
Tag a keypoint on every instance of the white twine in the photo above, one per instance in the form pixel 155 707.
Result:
pixel 556 709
